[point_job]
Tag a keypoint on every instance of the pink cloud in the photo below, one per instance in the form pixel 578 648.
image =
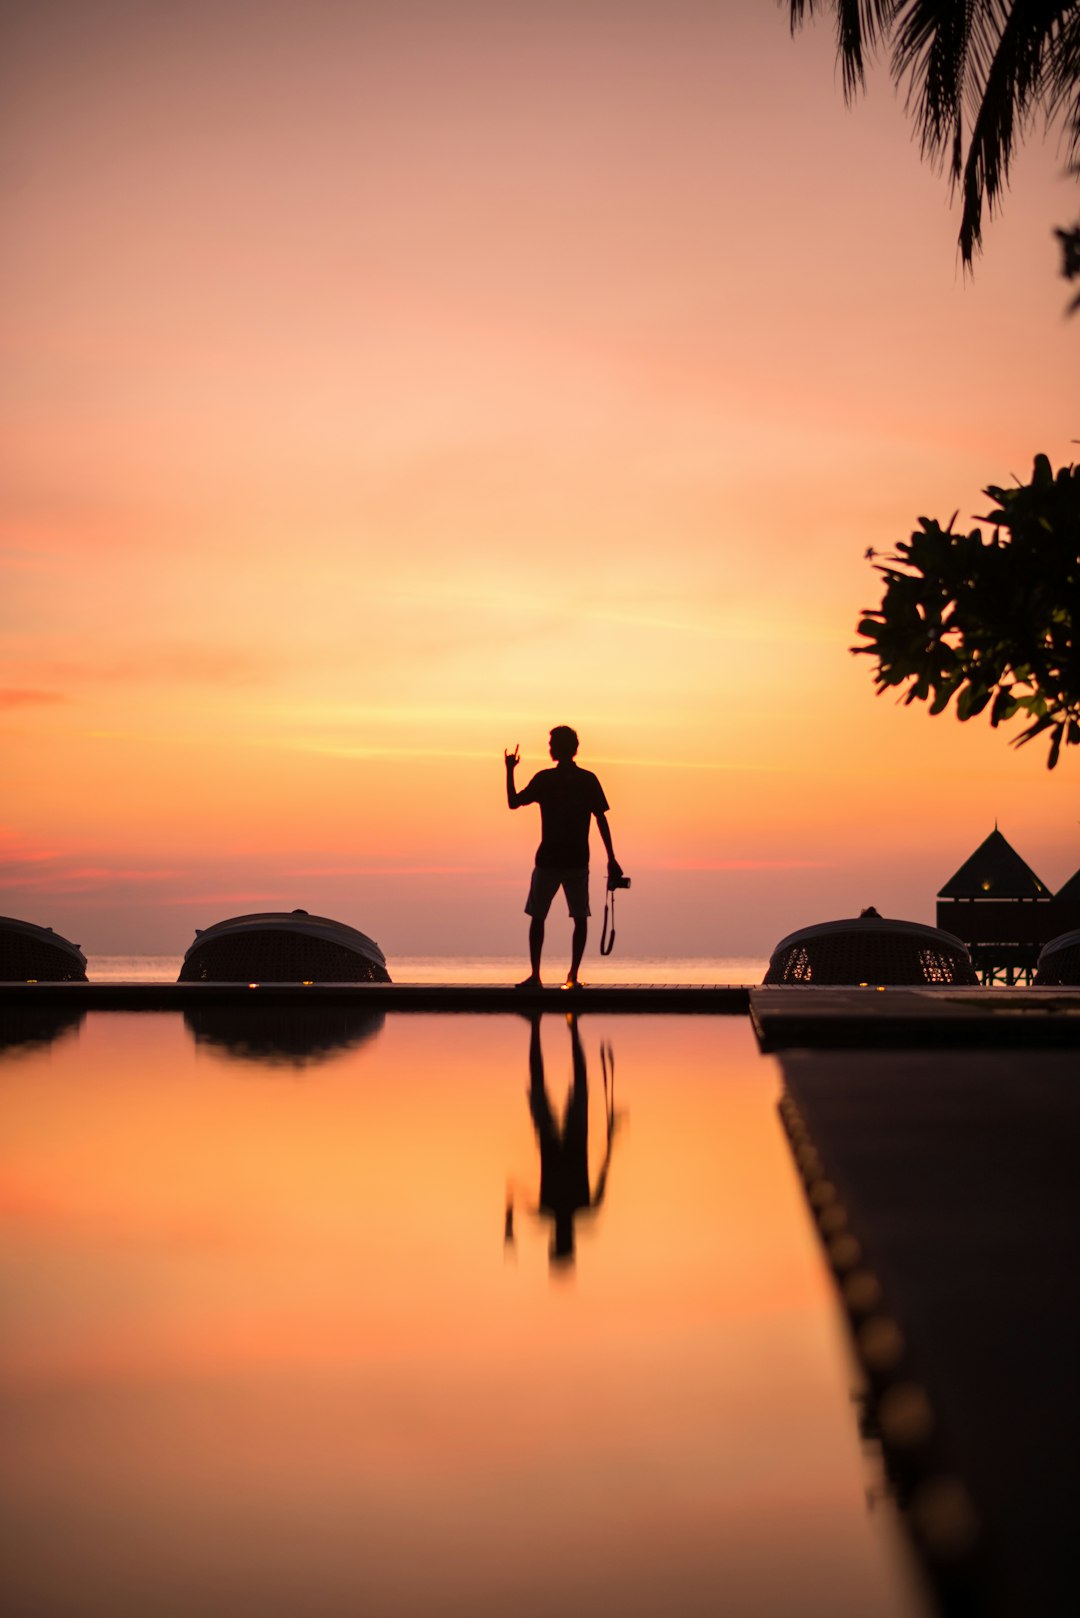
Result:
pixel 28 697
pixel 387 870
pixel 224 899
pixel 54 876
pixel 45 533
pixel 13 848
pixel 29 564
pixel 164 664
pixel 741 865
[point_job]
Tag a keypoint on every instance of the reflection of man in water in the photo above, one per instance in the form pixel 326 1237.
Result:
pixel 568 797
pixel 564 1151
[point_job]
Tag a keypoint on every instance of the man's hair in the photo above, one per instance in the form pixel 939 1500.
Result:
pixel 564 742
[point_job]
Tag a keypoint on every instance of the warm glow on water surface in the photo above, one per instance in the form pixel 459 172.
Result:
pixel 274 1344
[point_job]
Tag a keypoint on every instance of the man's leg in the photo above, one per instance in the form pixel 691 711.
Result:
pixel 542 890
pixel 536 945
pixel 576 885
pixel 577 946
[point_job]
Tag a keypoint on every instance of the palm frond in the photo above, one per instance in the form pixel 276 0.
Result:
pixel 977 73
pixel 1062 80
pixel 1010 91
pixel 944 49
pixel 859 26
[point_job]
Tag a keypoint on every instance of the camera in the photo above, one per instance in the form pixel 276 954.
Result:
pixel 614 882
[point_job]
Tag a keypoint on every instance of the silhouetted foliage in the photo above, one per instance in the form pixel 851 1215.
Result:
pixel 990 622
pixel 978 73
pixel 1070 260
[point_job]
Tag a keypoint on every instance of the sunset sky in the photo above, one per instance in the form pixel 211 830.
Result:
pixel 382 384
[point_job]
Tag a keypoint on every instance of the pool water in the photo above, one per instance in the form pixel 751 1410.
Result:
pixel 424 1315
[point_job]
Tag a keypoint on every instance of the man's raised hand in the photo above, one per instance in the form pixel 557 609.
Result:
pixel 512 758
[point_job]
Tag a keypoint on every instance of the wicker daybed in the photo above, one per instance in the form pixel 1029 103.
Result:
pixel 33 954
pixel 870 950
pixel 1059 962
pixel 283 947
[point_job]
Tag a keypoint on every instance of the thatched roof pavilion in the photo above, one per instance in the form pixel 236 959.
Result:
pixel 995 871
pixel 1001 909
pixel 1067 905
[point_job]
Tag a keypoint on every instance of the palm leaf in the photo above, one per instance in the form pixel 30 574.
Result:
pixel 977 73
pixel 1011 91
pixel 859 26
pixel 945 49
pixel 1062 79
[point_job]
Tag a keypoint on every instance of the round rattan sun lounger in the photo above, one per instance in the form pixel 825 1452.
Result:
pixel 870 950
pixel 283 947
pixel 1058 965
pixel 33 954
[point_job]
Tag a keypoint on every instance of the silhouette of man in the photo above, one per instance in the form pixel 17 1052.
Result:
pixel 564 1151
pixel 569 798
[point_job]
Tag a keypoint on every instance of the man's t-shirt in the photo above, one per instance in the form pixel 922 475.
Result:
pixel 568 798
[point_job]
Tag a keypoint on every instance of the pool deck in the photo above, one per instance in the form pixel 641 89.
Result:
pixel 872 1018
pixel 943 1172
pixel 783 1017
pixel 653 998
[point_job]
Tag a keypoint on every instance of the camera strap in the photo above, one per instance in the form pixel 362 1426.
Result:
pixel 607 944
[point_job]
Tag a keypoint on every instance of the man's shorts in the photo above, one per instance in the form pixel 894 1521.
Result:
pixel 546 882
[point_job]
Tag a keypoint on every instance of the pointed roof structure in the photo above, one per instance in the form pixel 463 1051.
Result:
pixel 995 871
pixel 1071 889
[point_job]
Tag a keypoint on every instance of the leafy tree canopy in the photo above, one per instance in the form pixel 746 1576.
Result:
pixel 989 622
pixel 978 74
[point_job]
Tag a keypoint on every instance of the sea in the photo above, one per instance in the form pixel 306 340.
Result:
pixel 482 969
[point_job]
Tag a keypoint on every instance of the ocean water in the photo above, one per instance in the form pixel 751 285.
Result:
pixel 480 969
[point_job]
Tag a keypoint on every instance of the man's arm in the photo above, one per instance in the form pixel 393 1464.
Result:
pixel 614 868
pixel 512 760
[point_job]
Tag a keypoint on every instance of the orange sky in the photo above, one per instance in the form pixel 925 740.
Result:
pixel 383 384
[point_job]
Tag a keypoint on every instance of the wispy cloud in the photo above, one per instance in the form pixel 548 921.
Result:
pixel 15 848
pixel 26 562
pixel 711 766
pixel 374 750
pixel 350 750
pixel 388 870
pixel 30 697
pixel 711 625
pixel 48 873
pixel 168 664
pixel 223 899
pixel 742 865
